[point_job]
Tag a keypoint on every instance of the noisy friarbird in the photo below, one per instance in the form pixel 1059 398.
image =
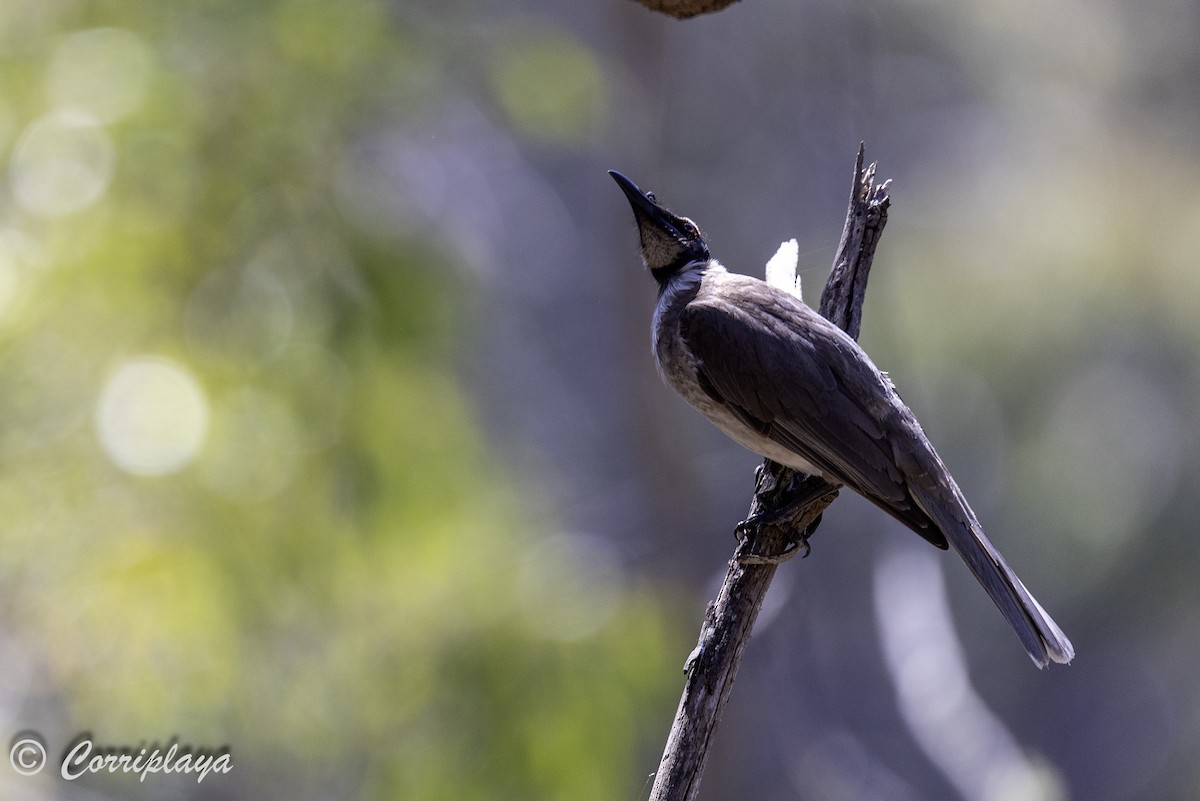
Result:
pixel 789 385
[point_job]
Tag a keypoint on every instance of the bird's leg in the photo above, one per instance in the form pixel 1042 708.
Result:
pixel 788 509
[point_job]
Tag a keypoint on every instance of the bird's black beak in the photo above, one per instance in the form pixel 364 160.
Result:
pixel 643 207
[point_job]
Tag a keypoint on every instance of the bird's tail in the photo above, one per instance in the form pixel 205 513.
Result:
pixel 1041 636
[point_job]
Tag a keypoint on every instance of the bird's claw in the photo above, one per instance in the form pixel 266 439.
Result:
pixel 799 546
pixel 747 531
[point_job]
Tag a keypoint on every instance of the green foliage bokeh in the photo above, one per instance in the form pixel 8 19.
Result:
pixel 336 583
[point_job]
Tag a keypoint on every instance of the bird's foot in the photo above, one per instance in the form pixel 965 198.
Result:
pixel 748 530
pixel 788 512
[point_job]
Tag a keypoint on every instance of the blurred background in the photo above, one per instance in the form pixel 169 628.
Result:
pixel 329 430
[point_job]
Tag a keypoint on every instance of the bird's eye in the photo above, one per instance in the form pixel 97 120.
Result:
pixel 690 228
pixel 650 196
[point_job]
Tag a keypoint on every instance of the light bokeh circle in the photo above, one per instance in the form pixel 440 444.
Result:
pixel 152 416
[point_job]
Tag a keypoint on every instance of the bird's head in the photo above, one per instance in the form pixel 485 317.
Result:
pixel 669 242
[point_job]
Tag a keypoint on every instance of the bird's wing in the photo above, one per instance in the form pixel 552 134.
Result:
pixel 815 394
pixel 818 394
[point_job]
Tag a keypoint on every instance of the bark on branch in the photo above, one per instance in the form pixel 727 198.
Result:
pixel 713 664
